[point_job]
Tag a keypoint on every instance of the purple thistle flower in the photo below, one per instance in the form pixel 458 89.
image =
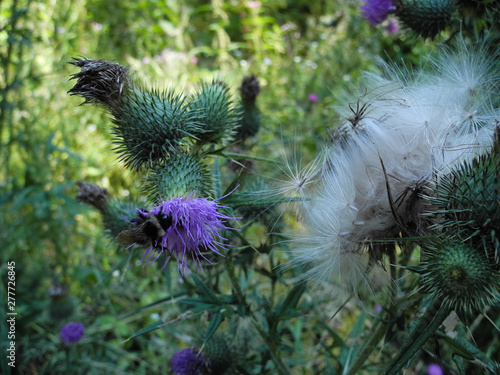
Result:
pixel 313 98
pixel 72 332
pixel 392 27
pixel 434 369
pixel 189 361
pixel 190 226
pixel 375 11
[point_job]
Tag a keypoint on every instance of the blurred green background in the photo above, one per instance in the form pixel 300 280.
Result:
pixel 47 143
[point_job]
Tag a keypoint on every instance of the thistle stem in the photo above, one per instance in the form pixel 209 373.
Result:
pixel 282 369
pixel 368 347
pixel 426 326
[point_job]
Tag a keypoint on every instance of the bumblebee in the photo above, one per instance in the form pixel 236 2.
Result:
pixel 144 230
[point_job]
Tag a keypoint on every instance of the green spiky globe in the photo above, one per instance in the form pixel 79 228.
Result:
pixel 214 110
pixel 220 354
pixel 425 17
pixel 468 201
pixel 179 176
pixel 461 276
pixel 150 126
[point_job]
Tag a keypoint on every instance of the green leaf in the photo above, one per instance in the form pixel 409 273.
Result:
pixel 349 352
pixel 425 327
pixel 147 329
pixel 215 322
pixel 457 348
pixel 290 302
pixel 204 292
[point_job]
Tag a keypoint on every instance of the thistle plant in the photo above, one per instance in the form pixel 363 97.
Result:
pixel 171 136
pixel 409 176
pixel 72 332
pixel 216 357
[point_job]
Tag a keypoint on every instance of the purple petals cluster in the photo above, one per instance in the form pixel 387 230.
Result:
pixel 375 11
pixel 434 369
pixel 189 361
pixel 196 226
pixel 313 98
pixel 72 332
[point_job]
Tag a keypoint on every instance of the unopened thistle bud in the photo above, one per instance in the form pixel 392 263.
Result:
pixel 214 110
pixel 178 176
pixel 467 200
pixel 250 121
pixel 461 276
pixel 425 17
pixel 219 352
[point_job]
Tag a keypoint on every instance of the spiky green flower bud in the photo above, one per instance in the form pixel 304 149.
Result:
pixel 468 201
pixel 461 276
pixel 179 176
pixel 150 126
pixel 220 354
pixel 425 17
pixel 215 111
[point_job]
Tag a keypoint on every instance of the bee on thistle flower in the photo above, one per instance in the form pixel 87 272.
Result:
pixel 171 135
pixel 184 227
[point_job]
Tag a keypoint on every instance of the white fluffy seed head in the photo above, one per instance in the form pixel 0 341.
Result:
pixel 390 154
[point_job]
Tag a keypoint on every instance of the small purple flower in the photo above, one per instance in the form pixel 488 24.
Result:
pixel 192 225
pixel 434 369
pixel 392 27
pixel 313 98
pixel 375 11
pixel 72 332
pixel 189 361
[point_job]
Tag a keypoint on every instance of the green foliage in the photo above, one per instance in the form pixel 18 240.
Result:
pixel 136 318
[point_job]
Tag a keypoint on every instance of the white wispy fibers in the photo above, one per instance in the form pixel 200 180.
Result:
pixel 406 130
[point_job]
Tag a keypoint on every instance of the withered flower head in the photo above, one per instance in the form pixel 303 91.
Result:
pixel 100 82
pixel 92 194
pixel 249 89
